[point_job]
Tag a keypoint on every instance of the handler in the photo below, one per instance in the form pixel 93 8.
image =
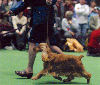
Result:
pixel 42 26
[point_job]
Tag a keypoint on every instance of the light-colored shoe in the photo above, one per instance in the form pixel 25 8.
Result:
pixel 8 47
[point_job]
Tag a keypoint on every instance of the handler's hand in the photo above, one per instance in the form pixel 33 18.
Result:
pixel 72 33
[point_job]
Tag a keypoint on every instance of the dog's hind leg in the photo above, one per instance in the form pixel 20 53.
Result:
pixel 70 77
pixel 39 75
pixel 87 76
pixel 56 76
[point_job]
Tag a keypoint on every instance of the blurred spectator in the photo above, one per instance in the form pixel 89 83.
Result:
pixel 95 21
pixel 70 25
pixel 94 43
pixel 10 3
pixel 5 4
pixel 0 2
pixel 82 13
pixel 19 23
pixel 93 10
pixel 6 35
pixel 98 2
pixel 88 2
pixel 2 7
pixel 75 1
pixel 2 11
pixel 27 12
pixel 16 3
pixel 68 6
pixel 59 12
pixel 92 6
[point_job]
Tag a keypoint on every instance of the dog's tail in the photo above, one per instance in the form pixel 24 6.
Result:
pixel 80 57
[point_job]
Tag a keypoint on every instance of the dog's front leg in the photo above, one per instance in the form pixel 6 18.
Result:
pixel 39 75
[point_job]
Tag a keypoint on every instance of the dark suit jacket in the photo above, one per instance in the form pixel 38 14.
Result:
pixel 40 10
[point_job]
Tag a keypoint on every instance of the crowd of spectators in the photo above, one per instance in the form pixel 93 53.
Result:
pixel 13 28
pixel 73 19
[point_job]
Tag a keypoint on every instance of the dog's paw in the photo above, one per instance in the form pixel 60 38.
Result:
pixel 66 80
pixel 34 78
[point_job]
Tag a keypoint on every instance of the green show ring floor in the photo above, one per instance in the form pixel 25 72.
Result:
pixel 12 60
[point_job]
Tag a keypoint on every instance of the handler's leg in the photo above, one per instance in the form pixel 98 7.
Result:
pixel 57 49
pixel 32 55
pixel 28 72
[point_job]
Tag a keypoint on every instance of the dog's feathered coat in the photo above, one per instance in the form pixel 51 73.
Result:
pixel 61 65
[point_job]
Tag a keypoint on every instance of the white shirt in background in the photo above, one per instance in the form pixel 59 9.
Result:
pixel 98 26
pixel 66 26
pixel 82 12
pixel 16 20
pixel 10 4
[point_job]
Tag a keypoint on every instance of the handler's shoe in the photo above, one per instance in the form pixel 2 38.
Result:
pixel 24 74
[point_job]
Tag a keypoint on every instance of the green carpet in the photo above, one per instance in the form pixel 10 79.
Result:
pixel 11 60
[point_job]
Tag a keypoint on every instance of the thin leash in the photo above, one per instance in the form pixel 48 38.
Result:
pixel 47 36
pixel 47 40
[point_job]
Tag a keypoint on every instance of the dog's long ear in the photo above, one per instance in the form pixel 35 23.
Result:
pixel 48 48
pixel 36 49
